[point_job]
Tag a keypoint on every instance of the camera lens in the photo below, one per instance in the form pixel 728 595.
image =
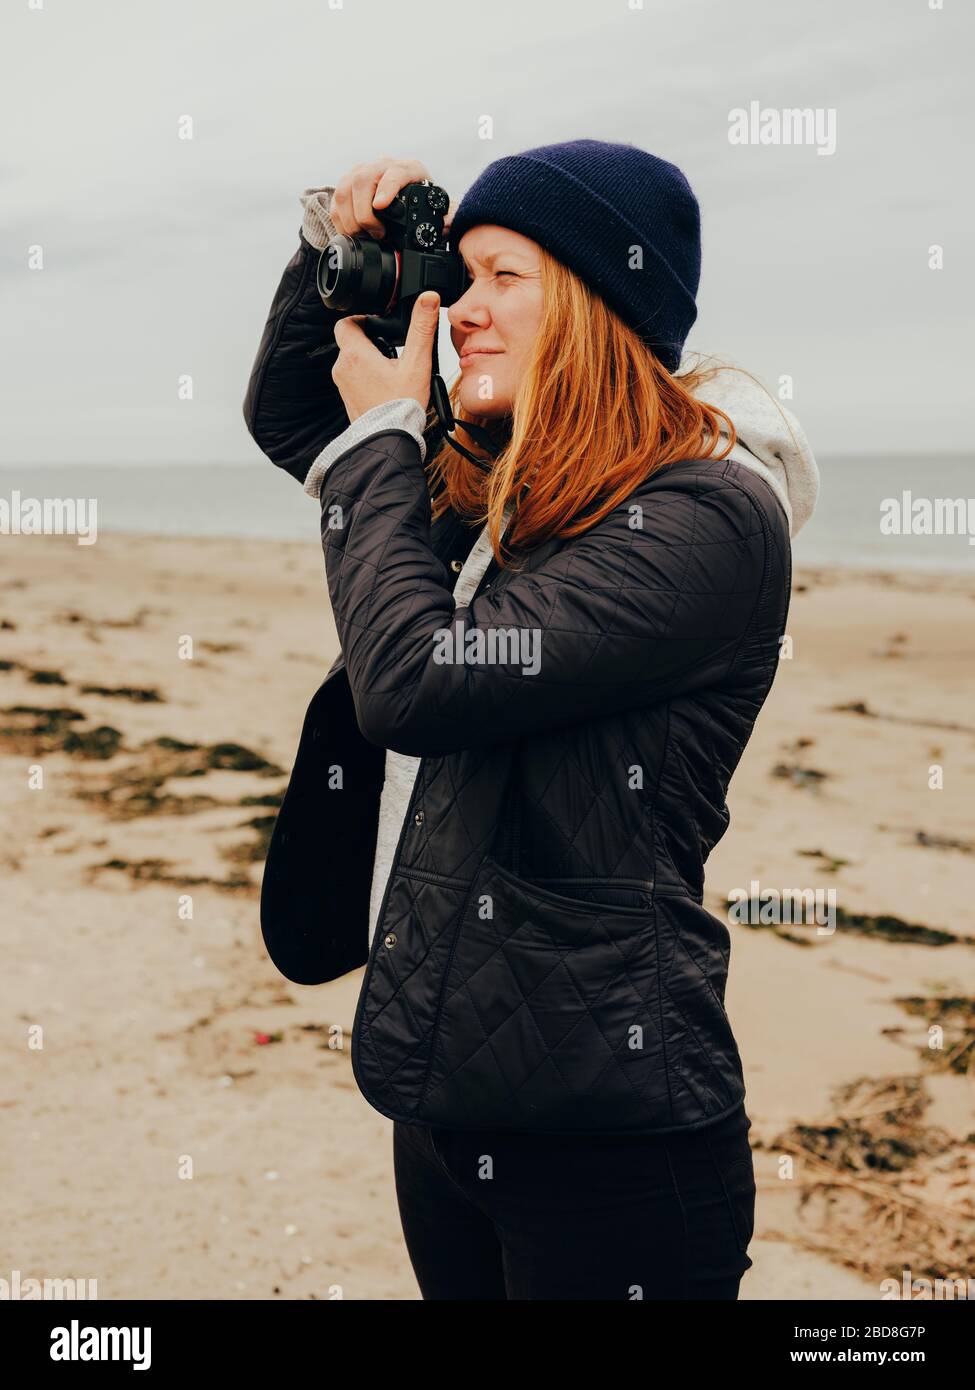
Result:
pixel 357 276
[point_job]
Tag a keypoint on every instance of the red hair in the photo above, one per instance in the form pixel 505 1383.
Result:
pixel 596 414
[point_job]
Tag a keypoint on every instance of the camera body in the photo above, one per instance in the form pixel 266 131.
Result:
pixel 382 279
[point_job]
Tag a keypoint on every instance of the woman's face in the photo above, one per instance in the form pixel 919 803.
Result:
pixel 494 323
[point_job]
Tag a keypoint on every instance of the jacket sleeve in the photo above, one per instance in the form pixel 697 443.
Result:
pixel 654 601
pixel 292 407
pixel 405 413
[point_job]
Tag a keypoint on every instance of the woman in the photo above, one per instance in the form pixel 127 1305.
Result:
pixel 507 786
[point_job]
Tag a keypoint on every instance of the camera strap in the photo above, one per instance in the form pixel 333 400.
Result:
pixel 445 416
pixel 440 399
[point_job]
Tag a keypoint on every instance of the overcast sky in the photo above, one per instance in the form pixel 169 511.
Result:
pixel 161 255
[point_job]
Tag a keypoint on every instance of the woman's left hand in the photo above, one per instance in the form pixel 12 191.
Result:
pixel 366 378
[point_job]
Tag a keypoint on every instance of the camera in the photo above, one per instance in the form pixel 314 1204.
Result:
pixel 382 279
pixel 359 275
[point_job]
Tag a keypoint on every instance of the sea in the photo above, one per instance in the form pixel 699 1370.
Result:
pixel 255 500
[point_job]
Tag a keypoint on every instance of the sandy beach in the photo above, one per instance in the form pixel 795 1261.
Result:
pixel 190 1127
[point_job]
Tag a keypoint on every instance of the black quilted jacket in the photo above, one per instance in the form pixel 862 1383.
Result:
pixel 543 960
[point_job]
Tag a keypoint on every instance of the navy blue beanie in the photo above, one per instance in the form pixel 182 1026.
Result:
pixel 591 204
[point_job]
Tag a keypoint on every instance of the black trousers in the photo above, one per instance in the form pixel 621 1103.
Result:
pixel 602 1216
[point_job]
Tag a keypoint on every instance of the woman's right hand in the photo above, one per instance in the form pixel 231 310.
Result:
pixel 368 186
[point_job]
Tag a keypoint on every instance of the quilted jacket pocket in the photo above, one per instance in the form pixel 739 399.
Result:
pixel 625 893
pixel 549 1015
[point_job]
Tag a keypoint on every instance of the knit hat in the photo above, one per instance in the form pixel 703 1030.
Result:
pixel 625 221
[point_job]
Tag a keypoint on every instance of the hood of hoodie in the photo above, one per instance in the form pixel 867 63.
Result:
pixel 770 440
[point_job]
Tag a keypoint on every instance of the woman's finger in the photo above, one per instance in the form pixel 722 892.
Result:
pixel 397 176
pixel 424 320
pixel 340 209
pixel 343 210
pixel 349 333
pixel 367 187
pixel 363 192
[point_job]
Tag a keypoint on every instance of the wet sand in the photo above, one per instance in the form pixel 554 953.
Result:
pixel 172 1047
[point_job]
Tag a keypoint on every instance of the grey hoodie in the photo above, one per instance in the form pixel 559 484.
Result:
pixel 770 439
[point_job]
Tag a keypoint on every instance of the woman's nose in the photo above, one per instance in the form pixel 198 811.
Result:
pixel 468 311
